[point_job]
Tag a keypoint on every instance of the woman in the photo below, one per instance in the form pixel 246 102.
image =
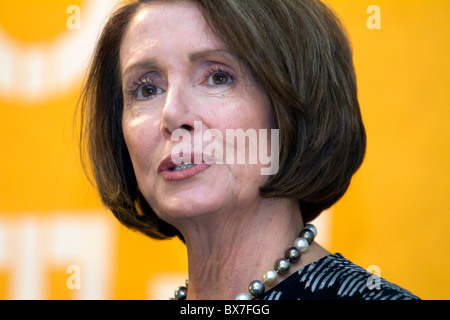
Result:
pixel 167 72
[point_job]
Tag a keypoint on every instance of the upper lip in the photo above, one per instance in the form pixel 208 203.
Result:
pixel 168 164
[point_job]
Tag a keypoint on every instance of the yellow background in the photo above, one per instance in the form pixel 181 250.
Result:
pixel 395 214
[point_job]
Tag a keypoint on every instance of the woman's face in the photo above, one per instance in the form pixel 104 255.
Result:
pixel 176 73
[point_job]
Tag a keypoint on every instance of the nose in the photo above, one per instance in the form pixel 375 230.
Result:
pixel 178 111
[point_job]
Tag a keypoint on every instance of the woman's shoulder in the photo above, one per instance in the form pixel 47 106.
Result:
pixel 335 277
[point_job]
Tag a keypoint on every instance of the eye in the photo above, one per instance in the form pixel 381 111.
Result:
pixel 219 79
pixel 146 91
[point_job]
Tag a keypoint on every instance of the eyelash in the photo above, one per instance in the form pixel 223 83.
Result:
pixel 136 86
pixel 217 70
pixel 147 81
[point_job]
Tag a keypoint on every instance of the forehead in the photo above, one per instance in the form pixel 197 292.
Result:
pixel 166 29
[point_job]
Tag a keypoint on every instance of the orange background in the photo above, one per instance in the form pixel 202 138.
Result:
pixel 395 214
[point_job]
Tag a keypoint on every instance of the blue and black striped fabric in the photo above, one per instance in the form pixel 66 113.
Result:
pixel 334 277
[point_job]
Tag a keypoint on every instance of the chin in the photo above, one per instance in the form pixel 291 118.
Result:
pixel 189 204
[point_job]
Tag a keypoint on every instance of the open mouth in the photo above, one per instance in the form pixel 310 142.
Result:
pixel 174 172
pixel 182 166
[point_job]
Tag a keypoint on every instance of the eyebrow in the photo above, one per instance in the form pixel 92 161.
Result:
pixel 202 54
pixel 193 57
pixel 144 64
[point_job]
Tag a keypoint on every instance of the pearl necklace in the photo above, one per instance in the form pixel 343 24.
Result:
pixel 270 277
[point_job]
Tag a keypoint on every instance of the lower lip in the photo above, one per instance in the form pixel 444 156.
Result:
pixel 184 173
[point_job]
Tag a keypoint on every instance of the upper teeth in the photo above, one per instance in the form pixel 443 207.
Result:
pixel 183 166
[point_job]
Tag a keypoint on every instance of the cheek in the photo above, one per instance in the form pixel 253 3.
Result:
pixel 262 109
pixel 240 112
pixel 141 136
pixel 252 111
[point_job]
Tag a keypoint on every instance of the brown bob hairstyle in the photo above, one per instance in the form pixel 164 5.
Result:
pixel 297 51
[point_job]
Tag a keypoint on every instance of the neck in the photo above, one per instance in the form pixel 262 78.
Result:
pixel 228 250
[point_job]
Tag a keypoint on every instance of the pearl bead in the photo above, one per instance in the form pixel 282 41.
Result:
pixel 270 277
pixel 243 296
pixel 301 244
pixel 282 266
pixel 256 288
pixel 312 228
pixel 181 293
pixel 293 254
pixel 308 235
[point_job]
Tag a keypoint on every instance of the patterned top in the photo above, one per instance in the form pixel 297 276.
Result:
pixel 334 277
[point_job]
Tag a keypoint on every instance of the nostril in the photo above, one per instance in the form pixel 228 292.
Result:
pixel 166 132
pixel 187 127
